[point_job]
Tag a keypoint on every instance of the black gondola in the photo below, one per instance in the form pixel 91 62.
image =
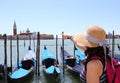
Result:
pixel 50 65
pixel 72 64
pixel 23 73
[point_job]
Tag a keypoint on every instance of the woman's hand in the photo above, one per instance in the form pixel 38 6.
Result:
pixel 66 36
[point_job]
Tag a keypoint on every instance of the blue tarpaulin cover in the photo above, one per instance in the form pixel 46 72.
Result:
pixel 19 73
pixel 80 54
pixel 46 54
pixel 51 69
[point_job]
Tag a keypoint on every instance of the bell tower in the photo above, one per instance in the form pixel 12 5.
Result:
pixel 14 28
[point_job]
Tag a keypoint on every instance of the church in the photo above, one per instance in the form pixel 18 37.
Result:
pixel 27 34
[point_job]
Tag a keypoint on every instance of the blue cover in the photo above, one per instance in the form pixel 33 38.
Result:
pixel 46 54
pixel 51 69
pixel 19 73
pixel 80 54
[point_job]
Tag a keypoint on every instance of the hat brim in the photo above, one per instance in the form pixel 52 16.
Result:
pixel 80 38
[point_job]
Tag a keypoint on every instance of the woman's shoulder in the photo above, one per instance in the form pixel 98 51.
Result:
pixel 96 66
pixel 95 62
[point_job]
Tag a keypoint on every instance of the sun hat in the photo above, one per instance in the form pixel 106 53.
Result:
pixel 95 36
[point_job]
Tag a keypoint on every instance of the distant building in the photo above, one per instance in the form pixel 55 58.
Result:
pixel 110 36
pixel 27 35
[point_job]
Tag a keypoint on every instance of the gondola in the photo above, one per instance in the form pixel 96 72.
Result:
pixel 50 65
pixel 23 72
pixel 73 64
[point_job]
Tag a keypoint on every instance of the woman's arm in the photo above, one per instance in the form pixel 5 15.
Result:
pixel 94 71
pixel 80 46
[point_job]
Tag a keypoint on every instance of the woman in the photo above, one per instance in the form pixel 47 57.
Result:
pixel 93 43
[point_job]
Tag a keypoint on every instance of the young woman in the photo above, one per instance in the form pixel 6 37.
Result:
pixel 93 43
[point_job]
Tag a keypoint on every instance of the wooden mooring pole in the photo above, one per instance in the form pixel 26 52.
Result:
pixel 30 40
pixel 57 48
pixel 38 55
pixel 63 53
pixel 34 44
pixel 5 57
pixel 24 42
pixel 11 52
pixel 5 50
pixel 113 43
pixel 17 50
pixel 74 49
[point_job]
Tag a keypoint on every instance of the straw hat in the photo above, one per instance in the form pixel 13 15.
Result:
pixel 93 31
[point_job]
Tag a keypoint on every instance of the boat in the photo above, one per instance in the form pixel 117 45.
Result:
pixel 50 65
pixel 25 69
pixel 23 73
pixel 71 63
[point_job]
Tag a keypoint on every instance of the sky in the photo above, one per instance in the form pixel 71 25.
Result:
pixel 57 16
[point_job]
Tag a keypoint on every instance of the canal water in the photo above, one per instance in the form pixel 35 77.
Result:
pixel 51 45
